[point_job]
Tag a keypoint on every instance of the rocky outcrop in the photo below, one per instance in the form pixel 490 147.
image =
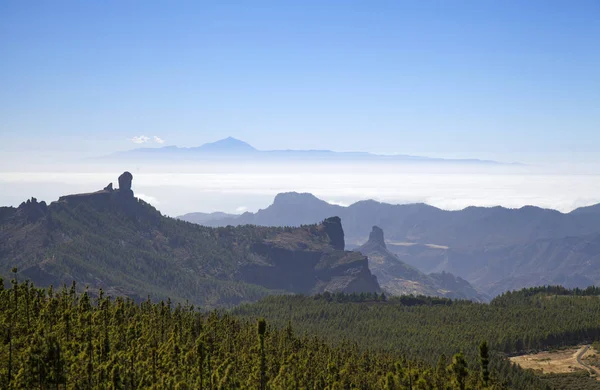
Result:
pixel 32 210
pixel 105 196
pixel 376 236
pixel 398 278
pixel 125 185
pixel 333 228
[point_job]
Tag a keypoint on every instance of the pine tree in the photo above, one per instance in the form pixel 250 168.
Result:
pixel 485 361
pixel 261 329
pixel 459 369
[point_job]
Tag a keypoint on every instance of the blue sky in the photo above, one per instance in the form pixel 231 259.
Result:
pixel 510 80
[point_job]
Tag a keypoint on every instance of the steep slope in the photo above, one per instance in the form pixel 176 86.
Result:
pixel 399 278
pixel 111 240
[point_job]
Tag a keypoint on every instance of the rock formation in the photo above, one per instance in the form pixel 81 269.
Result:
pixel 398 278
pixel 376 236
pixel 105 196
pixel 333 228
pixel 33 210
pixel 125 184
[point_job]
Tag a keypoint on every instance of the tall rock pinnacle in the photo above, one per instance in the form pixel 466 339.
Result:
pixel 333 228
pixel 125 184
pixel 376 236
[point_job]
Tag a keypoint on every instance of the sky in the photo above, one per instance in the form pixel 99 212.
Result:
pixel 505 80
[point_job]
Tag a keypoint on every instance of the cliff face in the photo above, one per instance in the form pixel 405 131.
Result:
pixel 311 261
pixel 109 239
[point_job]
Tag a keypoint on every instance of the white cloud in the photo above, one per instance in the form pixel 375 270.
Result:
pixel 140 139
pixel 337 203
pixel 241 209
pixel 159 140
pixel 148 199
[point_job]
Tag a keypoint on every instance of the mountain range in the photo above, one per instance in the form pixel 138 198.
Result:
pixel 234 149
pixel 494 248
pixel 111 240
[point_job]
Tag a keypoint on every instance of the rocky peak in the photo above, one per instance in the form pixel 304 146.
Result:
pixel 376 236
pixel 108 195
pixel 125 184
pixel 33 210
pixel 333 228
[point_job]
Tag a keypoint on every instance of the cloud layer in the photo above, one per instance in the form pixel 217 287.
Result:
pixel 237 188
pixel 142 139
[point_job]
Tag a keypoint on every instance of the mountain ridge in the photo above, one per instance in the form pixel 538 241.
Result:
pixel 111 240
pixel 469 243
pixel 237 149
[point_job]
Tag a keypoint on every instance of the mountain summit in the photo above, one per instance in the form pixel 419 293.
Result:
pixel 376 236
pixel 226 145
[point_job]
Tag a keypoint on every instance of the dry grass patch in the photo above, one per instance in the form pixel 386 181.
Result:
pixel 554 362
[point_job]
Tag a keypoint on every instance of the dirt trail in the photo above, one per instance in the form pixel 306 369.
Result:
pixel 591 369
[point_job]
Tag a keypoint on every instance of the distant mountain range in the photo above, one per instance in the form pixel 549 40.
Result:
pixel 111 240
pixel 234 149
pixel 495 249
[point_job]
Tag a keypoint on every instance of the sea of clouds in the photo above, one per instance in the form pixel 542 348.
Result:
pixel 235 188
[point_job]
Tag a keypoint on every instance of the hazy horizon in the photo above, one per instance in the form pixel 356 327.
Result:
pixel 235 188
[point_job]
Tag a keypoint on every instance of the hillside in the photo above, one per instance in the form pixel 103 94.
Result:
pixel 495 249
pixel 398 278
pixel 568 261
pixel 426 327
pixel 109 239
